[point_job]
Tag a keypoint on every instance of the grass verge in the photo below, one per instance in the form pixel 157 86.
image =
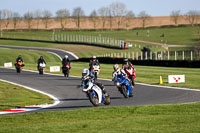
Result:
pixel 12 96
pixel 183 118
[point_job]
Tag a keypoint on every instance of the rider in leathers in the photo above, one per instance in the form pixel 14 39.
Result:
pixel 127 64
pixel 117 71
pixel 66 61
pixel 41 60
pixel 88 77
pixel 19 58
pixel 94 60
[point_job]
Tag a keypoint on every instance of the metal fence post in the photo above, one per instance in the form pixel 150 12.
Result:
pixel 175 55
pixel 168 55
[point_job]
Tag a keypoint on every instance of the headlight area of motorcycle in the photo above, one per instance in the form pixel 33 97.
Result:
pixel 118 84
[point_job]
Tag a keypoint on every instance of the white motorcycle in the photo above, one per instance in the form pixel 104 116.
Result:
pixel 96 96
pixel 41 68
pixel 95 70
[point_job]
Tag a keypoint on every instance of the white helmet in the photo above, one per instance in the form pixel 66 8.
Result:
pixel 85 72
pixel 66 56
pixel 94 57
pixel 116 67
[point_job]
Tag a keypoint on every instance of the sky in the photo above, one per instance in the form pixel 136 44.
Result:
pixel 152 7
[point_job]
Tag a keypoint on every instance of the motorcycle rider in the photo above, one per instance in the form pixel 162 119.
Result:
pixel 117 71
pixel 66 61
pixel 127 64
pixel 88 77
pixel 19 58
pixel 93 61
pixel 41 60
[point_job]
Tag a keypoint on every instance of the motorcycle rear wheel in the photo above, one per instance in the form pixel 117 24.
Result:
pixel 107 100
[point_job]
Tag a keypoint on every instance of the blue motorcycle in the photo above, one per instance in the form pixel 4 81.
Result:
pixel 124 86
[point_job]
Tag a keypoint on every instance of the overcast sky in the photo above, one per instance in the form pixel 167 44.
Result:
pixel 152 7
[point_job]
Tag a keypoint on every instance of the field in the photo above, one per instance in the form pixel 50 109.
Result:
pixel 127 119
pixel 172 35
pixel 183 118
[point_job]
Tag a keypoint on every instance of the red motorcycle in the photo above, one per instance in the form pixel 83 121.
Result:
pixel 95 70
pixel 130 71
pixel 65 69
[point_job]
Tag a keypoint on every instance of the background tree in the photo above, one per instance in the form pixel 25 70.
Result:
pixel 94 17
pixel 1 19
pixel 175 15
pixel 37 16
pixel 103 13
pixel 118 11
pixel 144 17
pixel 78 13
pixel 46 16
pixel 62 16
pixel 6 16
pixel 129 16
pixel 28 18
pixel 192 17
pixel 16 19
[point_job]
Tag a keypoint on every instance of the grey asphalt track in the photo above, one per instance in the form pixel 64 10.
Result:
pixel 71 97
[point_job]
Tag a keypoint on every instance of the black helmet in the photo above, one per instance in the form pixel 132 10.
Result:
pixel 41 57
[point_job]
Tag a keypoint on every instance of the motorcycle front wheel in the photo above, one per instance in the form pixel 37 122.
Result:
pixel 93 98
pixel 18 70
pixel 125 91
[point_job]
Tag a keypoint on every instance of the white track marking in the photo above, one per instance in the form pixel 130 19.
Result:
pixel 56 100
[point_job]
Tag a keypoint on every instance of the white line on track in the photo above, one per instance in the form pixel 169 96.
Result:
pixel 56 100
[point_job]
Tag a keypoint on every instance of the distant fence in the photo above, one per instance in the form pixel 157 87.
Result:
pixel 170 55
pixel 70 38
pixel 90 39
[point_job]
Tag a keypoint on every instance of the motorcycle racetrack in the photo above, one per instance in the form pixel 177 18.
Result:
pixel 72 97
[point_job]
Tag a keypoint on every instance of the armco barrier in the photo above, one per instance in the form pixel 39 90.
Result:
pixel 166 63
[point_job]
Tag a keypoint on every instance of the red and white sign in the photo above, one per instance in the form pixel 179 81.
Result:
pixel 7 65
pixel 54 68
pixel 176 78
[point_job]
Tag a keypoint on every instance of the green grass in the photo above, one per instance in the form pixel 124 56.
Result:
pixel 183 118
pixel 173 35
pixel 12 96
pixel 30 57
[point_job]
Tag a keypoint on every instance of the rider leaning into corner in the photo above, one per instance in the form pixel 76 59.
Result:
pixel 88 77
pixel 127 64
pixel 66 61
pixel 117 71
pixel 41 60
pixel 94 60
